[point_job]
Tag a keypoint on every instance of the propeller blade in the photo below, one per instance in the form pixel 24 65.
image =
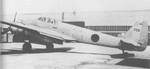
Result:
pixel 15 17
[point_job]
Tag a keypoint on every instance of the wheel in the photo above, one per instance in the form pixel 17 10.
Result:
pixel 27 47
pixel 126 53
pixel 49 46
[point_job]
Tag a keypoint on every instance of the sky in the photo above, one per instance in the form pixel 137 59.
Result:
pixel 42 6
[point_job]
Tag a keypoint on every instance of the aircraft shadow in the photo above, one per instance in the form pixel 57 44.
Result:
pixel 36 51
pixel 122 55
pixel 127 60
pixel 135 62
pixel 87 53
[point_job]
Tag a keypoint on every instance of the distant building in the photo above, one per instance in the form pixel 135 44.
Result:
pixel 77 23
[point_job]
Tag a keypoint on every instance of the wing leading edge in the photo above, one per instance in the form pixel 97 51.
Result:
pixel 42 31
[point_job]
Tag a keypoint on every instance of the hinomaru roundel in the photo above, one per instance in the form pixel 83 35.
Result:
pixel 95 37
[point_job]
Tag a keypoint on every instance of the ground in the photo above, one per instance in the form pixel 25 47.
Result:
pixel 71 56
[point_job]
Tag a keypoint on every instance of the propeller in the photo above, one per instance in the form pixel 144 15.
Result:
pixel 15 17
pixel 9 29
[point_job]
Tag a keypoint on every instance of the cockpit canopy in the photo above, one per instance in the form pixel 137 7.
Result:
pixel 47 20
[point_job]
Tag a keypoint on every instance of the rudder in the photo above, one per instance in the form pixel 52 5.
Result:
pixel 138 33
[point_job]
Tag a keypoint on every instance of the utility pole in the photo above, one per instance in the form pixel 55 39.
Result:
pixel 62 16
pixel 74 13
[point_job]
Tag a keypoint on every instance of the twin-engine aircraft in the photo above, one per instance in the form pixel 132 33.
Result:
pixel 53 31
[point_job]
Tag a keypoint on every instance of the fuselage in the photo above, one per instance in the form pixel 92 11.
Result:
pixel 78 33
pixel 84 35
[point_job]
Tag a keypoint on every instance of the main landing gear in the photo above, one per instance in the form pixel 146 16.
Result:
pixel 49 46
pixel 27 47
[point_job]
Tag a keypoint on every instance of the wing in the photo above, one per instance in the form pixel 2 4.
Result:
pixel 42 31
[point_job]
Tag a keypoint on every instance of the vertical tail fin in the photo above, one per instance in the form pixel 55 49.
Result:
pixel 138 33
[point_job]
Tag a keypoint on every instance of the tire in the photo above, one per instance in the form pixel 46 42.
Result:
pixel 49 46
pixel 27 47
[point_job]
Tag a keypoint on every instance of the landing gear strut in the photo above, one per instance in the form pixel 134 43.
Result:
pixel 123 52
pixel 27 46
pixel 49 46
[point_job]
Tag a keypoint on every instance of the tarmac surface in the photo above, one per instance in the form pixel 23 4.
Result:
pixel 71 56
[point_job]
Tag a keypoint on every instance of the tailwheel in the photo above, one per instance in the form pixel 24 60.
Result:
pixel 49 46
pixel 126 54
pixel 27 47
pixel 123 55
